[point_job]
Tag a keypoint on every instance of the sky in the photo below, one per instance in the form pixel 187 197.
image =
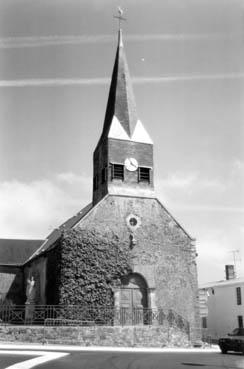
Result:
pixel 186 63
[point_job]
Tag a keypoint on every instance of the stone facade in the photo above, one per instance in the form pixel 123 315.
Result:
pixel 162 253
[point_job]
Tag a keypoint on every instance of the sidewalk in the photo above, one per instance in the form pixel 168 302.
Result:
pixel 45 347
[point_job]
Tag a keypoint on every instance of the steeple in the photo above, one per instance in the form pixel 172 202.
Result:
pixel 121 101
pixel 123 158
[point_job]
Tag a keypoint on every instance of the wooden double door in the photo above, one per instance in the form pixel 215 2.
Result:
pixel 133 301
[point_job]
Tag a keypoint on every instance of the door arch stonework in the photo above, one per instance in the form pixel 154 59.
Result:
pixel 132 299
pixel 134 292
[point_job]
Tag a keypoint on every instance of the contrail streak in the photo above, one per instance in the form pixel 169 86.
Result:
pixel 22 42
pixel 101 81
pixel 40 41
pixel 53 82
pixel 190 77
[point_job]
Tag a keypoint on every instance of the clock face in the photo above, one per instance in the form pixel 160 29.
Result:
pixel 131 164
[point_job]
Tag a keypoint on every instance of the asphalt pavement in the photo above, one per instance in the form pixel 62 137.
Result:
pixel 74 357
pixel 7 359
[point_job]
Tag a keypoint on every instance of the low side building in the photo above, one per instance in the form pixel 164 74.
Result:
pixel 221 307
pixel 13 254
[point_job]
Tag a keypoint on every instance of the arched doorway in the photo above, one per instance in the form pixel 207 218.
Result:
pixel 133 299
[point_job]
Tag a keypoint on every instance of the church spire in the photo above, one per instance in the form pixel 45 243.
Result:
pixel 123 158
pixel 121 101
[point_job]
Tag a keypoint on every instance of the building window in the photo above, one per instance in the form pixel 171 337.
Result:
pixel 238 295
pixel 144 175
pixel 118 171
pixel 204 322
pixel 104 175
pixel 95 182
pixel 240 321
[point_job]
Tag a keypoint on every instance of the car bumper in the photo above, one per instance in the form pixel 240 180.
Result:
pixel 232 346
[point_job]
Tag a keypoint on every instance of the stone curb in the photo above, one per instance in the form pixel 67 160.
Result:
pixel 5 346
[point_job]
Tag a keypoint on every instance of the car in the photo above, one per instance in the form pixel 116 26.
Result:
pixel 233 341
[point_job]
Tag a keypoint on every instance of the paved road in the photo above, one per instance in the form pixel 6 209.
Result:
pixel 87 360
pixel 8 359
pixel 120 360
pixel 26 359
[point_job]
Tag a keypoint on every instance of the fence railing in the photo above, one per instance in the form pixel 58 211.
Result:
pixel 88 315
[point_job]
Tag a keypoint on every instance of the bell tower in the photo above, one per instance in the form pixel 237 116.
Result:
pixel 123 158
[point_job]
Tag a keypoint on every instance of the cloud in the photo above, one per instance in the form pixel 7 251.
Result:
pixel 72 179
pixel 237 168
pixel 194 192
pixel 56 82
pixel 212 210
pixel 42 41
pixel 215 250
pixel 179 180
pixel 32 209
pixel 190 182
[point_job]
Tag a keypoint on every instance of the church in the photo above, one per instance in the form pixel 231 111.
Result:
pixel 163 271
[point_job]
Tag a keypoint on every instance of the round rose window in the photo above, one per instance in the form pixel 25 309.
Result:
pixel 133 222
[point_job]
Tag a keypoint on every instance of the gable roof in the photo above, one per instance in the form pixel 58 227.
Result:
pixel 57 232
pixel 17 251
pixel 51 239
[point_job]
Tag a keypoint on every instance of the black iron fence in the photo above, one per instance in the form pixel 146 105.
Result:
pixel 79 315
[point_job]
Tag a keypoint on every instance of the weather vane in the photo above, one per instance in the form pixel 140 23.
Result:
pixel 120 16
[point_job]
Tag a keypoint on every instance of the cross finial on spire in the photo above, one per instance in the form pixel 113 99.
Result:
pixel 120 16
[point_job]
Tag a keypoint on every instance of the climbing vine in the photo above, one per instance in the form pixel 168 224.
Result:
pixel 91 264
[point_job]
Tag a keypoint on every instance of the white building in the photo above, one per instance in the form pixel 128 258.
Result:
pixel 221 306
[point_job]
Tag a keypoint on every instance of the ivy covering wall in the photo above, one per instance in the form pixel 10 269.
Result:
pixel 91 264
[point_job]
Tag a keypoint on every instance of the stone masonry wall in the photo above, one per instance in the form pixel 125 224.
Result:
pixel 148 336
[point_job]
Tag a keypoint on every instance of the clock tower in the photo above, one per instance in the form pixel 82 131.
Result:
pixel 123 158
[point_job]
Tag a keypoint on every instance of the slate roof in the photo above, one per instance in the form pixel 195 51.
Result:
pixel 121 101
pixel 17 251
pixel 56 233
